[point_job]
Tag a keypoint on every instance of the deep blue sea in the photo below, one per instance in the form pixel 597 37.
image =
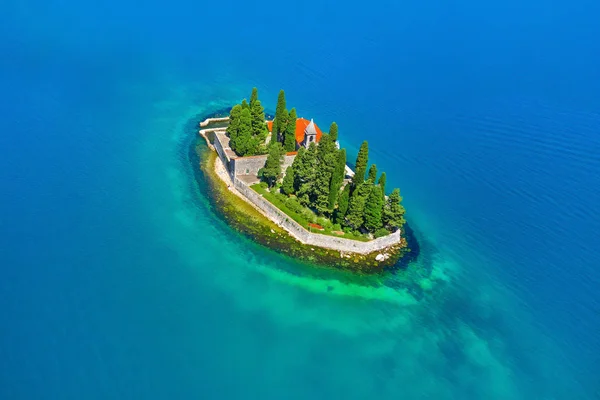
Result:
pixel 119 281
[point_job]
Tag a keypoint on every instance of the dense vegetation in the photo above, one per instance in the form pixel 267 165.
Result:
pixel 247 128
pixel 316 181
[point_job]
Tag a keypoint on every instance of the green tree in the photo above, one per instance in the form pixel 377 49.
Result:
pixel 342 208
pixel 356 207
pixel 305 175
pixel 337 178
pixel 287 186
pixel 289 139
pixel 319 194
pixel 326 163
pixel 245 104
pixel 279 120
pixel 283 124
pixel 382 180
pixel 253 96
pixel 361 165
pixel 333 131
pixel 240 143
pixel 372 174
pixel 259 126
pixel 373 210
pixel 270 172
pixel 234 121
pixel 297 164
pixel 327 152
pixel 393 211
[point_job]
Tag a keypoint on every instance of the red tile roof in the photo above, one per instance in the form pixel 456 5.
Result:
pixel 301 124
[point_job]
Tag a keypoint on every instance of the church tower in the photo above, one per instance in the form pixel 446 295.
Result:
pixel 310 134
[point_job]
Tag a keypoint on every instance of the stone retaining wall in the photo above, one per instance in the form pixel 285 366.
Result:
pixel 209 120
pixel 251 165
pixel 309 238
pixel 223 155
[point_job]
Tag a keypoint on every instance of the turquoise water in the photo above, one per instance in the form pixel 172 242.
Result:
pixel 117 280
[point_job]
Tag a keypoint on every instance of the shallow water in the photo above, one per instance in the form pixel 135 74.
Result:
pixel 117 280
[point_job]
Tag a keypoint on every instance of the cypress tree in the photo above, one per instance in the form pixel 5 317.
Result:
pixel 270 172
pixel 253 96
pixel 333 131
pixel 393 211
pixel 382 180
pixel 289 139
pixel 373 209
pixel 279 121
pixel 319 193
pixel 361 164
pixel 327 151
pixel 288 180
pixel 296 165
pixel 241 141
pixel 356 207
pixel 337 178
pixel 305 175
pixel 283 124
pixel 259 127
pixel 373 174
pixel 343 204
pixel 326 162
pixel 234 121
pixel 245 104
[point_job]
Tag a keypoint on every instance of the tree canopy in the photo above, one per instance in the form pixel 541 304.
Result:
pixel 393 211
pixel 373 210
pixel 281 116
pixel 305 174
pixel 240 142
pixel 326 163
pixel 234 121
pixel 333 131
pixel 270 172
pixel 287 186
pixel 372 174
pixel 289 138
pixel 246 139
pixel 259 126
pixel 356 207
pixel 361 164
pixel 381 183
pixel 343 200
pixel 253 96
pixel 337 178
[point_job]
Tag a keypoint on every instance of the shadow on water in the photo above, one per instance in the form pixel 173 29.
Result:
pixel 412 255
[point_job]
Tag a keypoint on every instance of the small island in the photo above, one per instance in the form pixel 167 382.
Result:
pixel 311 204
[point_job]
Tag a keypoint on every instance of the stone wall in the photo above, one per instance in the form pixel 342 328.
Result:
pixel 251 165
pixel 248 165
pixel 287 161
pixel 309 238
pixel 222 155
pixel 209 120
pixel 238 166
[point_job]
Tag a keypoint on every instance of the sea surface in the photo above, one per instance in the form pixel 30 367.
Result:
pixel 119 281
